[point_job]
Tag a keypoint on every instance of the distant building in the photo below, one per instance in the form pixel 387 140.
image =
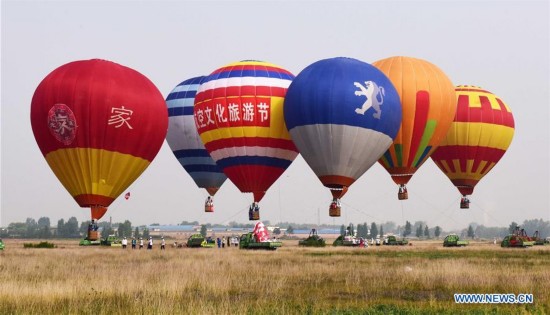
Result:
pixel 174 231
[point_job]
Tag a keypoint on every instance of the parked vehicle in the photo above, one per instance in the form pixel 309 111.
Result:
pixel 248 241
pixel 392 240
pixel 453 240
pixel 313 240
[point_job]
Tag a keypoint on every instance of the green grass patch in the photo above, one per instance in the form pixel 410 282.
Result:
pixel 440 254
pixel 39 245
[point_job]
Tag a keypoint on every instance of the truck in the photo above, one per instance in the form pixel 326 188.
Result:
pixel 195 240
pixel 313 240
pixel 392 240
pixel 452 240
pixel 209 242
pixel 514 240
pixel 537 239
pixel 248 241
pixel 88 242
pixel 111 240
pixel 518 238
pixel 347 240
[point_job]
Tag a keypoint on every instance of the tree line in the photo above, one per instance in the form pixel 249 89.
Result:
pixel 378 231
pixel 71 228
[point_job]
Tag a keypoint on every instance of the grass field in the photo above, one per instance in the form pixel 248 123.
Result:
pixel 419 279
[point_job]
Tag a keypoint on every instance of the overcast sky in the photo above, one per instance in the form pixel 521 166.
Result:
pixel 502 46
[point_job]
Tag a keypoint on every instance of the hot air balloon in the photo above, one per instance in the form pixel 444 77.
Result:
pixel 342 114
pixel 428 102
pixel 185 142
pixel 480 134
pixel 99 125
pixel 239 116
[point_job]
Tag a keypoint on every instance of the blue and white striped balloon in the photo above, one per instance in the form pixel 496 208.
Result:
pixel 184 139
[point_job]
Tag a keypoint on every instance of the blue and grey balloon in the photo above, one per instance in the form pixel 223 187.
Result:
pixel 342 115
pixel 184 139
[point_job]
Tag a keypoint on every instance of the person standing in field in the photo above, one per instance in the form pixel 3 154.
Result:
pixel 150 243
pixel 134 243
pixel 223 242
pixel 140 243
pixel 124 243
pixel 219 242
pixel 162 244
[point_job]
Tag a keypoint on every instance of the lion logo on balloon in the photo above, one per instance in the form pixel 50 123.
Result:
pixel 375 97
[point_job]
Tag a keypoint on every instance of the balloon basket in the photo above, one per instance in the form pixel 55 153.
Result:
pixel 255 216
pixel 93 235
pixel 334 211
pixel 208 208
pixel 464 205
pixel 402 195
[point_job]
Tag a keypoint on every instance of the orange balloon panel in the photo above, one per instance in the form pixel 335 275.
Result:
pixel 481 133
pixel 428 101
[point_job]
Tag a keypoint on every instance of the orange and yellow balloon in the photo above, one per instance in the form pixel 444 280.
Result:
pixel 428 104
pixel 479 136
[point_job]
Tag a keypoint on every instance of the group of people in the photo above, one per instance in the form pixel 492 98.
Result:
pixel 365 242
pixel 229 240
pixel 221 242
pixel 134 243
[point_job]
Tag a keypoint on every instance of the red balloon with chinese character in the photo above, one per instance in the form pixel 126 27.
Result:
pixel 99 125
pixel 239 116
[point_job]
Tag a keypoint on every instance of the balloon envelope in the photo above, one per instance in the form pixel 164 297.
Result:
pixel 99 125
pixel 184 140
pixel 479 136
pixel 239 116
pixel 342 114
pixel 428 102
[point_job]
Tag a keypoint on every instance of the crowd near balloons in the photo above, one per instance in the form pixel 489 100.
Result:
pixel 100 124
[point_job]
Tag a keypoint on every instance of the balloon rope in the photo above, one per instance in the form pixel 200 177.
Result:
pixel 360 211
pixel 478 206
pixel 402 214
pixel 435 208
pixel 450 206
pixel 234 215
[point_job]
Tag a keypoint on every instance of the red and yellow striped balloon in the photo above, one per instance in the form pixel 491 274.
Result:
pixel 99 125
pixel 479 136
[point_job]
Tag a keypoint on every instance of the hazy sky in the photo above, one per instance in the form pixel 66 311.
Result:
pixel 502 46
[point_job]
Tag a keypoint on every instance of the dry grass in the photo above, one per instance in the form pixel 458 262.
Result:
pixel 414 279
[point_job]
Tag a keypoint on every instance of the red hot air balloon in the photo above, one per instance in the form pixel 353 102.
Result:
pixel 99 125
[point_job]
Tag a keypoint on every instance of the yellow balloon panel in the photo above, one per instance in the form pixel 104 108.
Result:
pixel 95 176
pixel 482 131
